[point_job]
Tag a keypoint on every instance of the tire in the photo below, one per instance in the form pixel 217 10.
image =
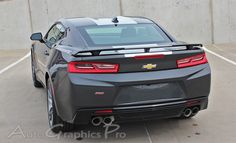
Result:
pixel 36 83
pixel 56 124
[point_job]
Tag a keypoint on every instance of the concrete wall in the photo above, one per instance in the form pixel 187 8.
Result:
pixel 14 24
pixel 179 17
pixel 187 20
pixel 224 18
pixel 197 21
pixel 45 12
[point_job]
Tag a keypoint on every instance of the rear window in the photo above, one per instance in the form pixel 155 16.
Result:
pixel 109 35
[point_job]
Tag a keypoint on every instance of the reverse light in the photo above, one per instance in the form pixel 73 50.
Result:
pixel 90 67
pixel 192 61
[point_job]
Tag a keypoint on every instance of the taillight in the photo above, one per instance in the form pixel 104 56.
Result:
pixel 192 61
pixel 90 67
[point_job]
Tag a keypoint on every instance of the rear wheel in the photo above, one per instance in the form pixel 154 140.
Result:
pixel 56 124
pixel 35 81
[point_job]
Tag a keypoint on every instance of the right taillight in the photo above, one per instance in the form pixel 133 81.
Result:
pixel 192 61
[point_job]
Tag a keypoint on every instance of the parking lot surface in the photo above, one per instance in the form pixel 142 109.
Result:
pixel 23 114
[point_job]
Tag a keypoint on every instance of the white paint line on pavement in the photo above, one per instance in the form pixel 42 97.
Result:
pixel 15 63
pixel 148 134
pixel 219 56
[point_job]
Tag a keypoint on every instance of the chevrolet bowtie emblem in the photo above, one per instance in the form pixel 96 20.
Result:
pixel 149 66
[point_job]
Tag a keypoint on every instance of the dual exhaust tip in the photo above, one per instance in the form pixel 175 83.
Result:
pixel 188 112
pixel 97 121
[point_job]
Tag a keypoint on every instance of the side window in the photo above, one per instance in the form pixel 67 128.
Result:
pixel 51 35
pixel 55 34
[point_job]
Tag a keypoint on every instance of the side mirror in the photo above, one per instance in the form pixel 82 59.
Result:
pixel 36 37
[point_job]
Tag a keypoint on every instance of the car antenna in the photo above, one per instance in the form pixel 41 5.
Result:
pixel 115 20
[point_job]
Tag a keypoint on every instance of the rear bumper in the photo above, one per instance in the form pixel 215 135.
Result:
pixel 162 92
pixel 142 112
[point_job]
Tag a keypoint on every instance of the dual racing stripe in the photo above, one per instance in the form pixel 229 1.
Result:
pixel 149 54
pixel 157 51
pixel 108 21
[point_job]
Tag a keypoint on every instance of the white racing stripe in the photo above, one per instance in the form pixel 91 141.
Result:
pixel 108 21
pixel 137 46
pixel 15 63
pixel 219 56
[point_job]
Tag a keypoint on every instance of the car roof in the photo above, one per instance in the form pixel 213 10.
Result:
pixel 86 21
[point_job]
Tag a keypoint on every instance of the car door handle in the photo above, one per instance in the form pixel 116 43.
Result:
pixel 46 53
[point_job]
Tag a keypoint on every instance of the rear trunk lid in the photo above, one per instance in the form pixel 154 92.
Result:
pixel 143 77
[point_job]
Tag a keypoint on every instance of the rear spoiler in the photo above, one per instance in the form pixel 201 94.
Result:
pixel 96 51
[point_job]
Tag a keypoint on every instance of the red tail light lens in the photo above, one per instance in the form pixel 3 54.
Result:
pixel 159 56
pixel 192 61
pixel 89 67
pixel 99 112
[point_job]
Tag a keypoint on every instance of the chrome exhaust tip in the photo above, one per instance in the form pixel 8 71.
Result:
pixel 195 110
pixel 108 120
pixel 96 121
pixel 187 112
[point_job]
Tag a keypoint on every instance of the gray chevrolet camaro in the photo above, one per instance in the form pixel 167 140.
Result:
pixel 117 69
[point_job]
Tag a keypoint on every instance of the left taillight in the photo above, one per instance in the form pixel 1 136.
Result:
pixel 192 61
pixel 90 67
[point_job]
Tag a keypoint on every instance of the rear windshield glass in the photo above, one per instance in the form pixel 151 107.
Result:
pixel 109 35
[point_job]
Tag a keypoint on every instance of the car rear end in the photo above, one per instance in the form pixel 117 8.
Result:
pixel 133 82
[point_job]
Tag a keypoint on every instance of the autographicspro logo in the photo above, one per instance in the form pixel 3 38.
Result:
pixel 110 128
